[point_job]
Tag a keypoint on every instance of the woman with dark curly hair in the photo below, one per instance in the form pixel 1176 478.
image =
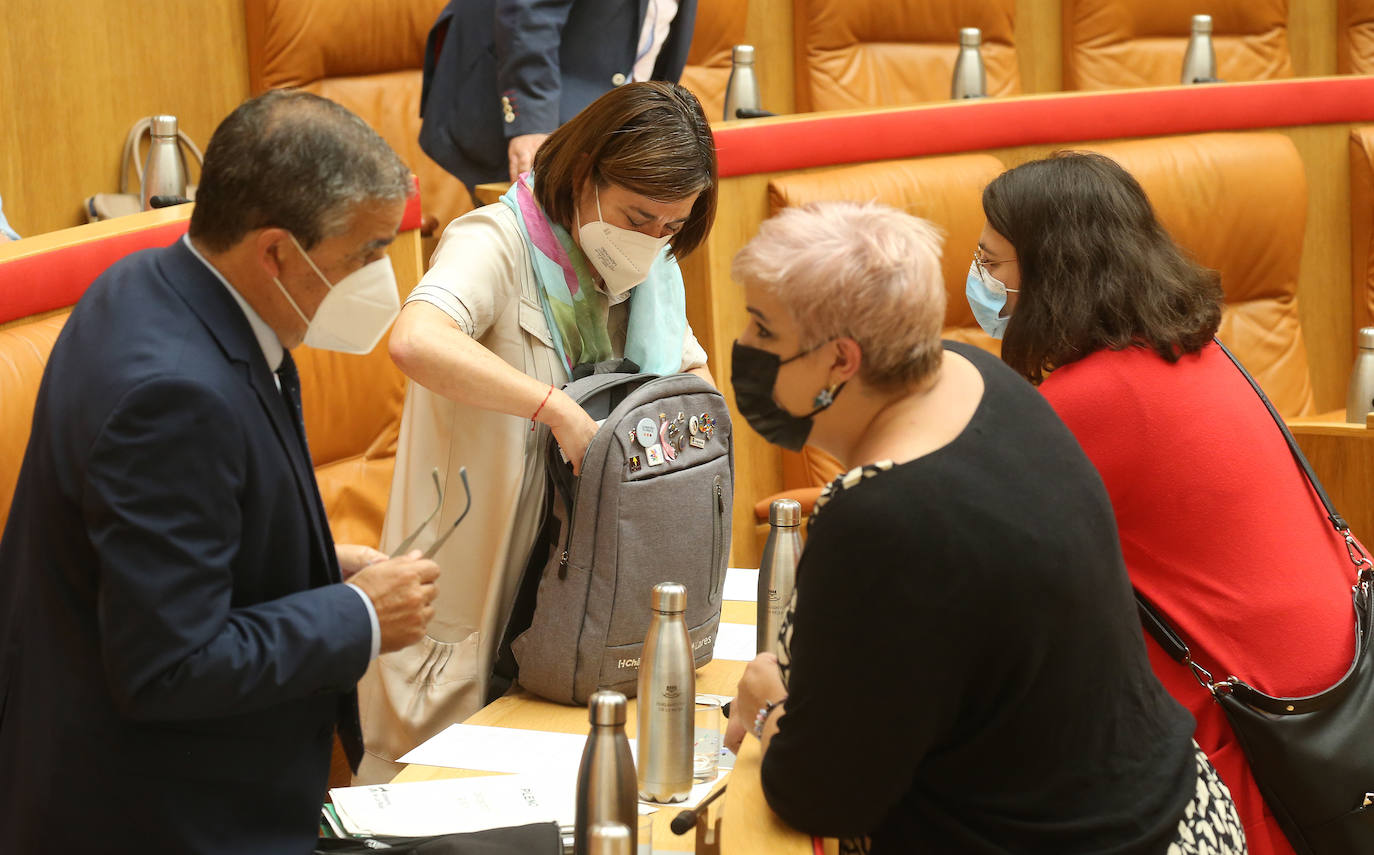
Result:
pixel 1218 525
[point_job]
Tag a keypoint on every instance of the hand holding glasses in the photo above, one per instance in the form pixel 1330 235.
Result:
pixel 439 503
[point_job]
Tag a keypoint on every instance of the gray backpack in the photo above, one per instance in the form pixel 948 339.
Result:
pixel 651 505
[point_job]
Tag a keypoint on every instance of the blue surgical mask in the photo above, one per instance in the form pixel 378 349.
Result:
pixel 987 297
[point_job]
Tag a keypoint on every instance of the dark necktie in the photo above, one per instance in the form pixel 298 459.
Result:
pixel 349 729
pixel 290 380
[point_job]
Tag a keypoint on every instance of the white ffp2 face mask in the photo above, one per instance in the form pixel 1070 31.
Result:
pixel 356 312
pixel 622 256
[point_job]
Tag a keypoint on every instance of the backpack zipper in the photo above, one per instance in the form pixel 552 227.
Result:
pixel 567 540
pixel 717 536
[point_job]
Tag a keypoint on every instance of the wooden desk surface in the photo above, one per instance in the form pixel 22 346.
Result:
pixel 522 710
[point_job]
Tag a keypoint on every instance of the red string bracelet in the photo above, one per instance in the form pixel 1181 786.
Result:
pixel 534 423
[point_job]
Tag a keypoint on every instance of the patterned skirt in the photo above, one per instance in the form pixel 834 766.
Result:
pixel 1210 825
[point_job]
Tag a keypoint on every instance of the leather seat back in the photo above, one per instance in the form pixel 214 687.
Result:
pixel 876 53
pixel 24 349
pixel 1355 37
pixel 1205 193
pixel 1238 204
pixel 1116 44
pixel 364 55
pixel 947 191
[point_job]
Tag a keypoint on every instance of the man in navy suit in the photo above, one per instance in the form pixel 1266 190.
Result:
pixel 501 75
pixel 176 647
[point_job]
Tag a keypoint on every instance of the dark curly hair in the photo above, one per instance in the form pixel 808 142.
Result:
pixel 1097 269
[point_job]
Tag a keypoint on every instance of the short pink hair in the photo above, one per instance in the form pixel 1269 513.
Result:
pixel 865 271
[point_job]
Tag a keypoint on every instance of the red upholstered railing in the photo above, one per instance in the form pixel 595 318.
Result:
pixel 32 284
pixel 38 282
pixel 833 139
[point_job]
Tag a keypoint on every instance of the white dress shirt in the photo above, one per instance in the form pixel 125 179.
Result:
pixel 658 19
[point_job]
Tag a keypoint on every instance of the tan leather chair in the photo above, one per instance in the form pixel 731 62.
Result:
pixel 1116 44
pixel 367 56
pixel 1238 203
pixel 945 190
pixel 948 191
pixel 877 53
pixel 1355 37
pixel 720 25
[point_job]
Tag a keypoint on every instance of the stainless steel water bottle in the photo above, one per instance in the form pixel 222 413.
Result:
pixel 667 697
pixel 606 778
pixel 778 570
pixel 164 171
pixel 1200 60
pixel 1359 399
pixel 611 838
pixel 742 91
pixel 970 78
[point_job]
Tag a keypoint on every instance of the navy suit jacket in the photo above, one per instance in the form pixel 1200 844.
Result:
pixel 543 59
pixel 174 652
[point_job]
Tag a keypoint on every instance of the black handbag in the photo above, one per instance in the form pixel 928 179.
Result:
pixel 1312 757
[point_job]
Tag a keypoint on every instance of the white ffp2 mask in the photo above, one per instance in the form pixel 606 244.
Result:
pixel 356 312
pixel 622 256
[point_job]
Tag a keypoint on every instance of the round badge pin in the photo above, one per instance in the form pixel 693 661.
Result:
pixel 694 426
pixel 646 432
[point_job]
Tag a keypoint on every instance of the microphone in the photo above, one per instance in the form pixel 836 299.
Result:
pixel 685 820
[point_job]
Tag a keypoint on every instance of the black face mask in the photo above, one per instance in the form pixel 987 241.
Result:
pixel 753 373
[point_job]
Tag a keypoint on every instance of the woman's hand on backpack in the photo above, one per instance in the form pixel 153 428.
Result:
pixel 571 426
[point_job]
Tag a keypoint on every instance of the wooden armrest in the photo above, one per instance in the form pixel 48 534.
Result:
pixel 1342 455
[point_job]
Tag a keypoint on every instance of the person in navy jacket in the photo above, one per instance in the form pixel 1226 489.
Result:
pixel 177 648
pixel 501 75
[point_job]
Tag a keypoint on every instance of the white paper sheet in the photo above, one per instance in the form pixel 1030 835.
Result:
pixel 544 755
pixel 742 584
pixel 424 808
pixel 737 642
pixel 500 749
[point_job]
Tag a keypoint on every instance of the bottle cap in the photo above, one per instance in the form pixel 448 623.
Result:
pixel 164 126
pixel 609 838
pixel 669 598
pixel 784 512
pixel 606 708
pixel 1367 338
pixel 743 54
pixel 970 37
pixel 1202 23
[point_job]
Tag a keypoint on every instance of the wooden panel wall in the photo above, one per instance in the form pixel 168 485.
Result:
pixel 769 30
pixel 1039 41
pixel 1312 37
pixel 79 72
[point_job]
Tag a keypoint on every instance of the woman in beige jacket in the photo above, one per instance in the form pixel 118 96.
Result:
pixel 576 265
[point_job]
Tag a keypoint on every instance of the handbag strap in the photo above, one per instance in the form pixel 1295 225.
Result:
pixel 1154 621
pixel 1337 521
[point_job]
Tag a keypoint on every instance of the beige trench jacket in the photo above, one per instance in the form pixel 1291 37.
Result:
pixel 482 276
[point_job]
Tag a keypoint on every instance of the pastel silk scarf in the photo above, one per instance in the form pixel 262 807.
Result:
pixel 576 311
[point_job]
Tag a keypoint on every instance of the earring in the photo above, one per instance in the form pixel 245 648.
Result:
pixel 825 397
